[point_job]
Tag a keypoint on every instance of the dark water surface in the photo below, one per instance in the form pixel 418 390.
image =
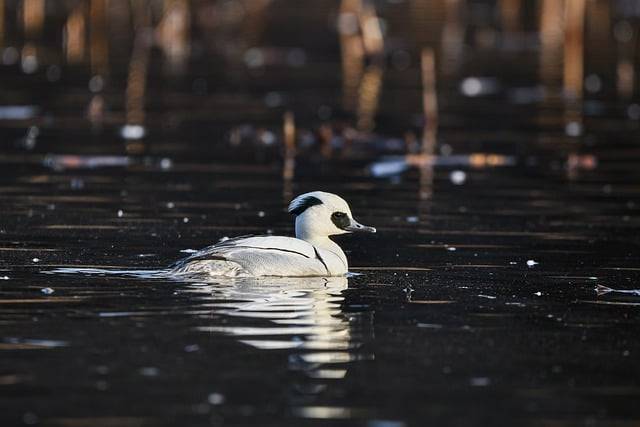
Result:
pixel 496 292
pixel 444 323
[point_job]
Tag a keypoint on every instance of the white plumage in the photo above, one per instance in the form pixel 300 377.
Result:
pixel 311 253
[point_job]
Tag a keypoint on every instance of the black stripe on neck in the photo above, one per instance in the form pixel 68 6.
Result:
pixel 321 260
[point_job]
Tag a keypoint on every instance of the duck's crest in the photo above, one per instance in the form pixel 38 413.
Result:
pixel 302 203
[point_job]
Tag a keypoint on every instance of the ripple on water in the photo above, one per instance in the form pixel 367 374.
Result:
pixel 286 313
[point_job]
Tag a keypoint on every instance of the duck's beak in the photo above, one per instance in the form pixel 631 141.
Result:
pixel 355 226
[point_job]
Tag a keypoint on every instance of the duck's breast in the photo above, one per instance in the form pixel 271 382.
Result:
pixel 335 263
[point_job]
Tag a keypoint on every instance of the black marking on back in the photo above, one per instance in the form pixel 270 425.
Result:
pixel 304 204
pixel 321 260
pixel 272 249
pixel 210 252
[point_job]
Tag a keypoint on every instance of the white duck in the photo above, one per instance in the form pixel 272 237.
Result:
pixel 311 253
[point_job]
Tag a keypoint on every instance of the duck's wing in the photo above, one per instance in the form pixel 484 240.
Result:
pixel 287 245
pixel 265 256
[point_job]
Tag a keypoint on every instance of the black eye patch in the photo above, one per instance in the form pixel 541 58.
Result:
pixel 340 219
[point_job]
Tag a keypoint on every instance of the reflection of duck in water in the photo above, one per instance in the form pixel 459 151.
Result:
pixel 283 310
pixel 311 253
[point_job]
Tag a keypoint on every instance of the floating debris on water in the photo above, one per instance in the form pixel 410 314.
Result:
pixel 34 343
pixel 480 381
pixel 30 139
pixel 516 304
pixel 133 132
pixel 458 177
pixel 149 371
pixel 18 112
pixel 602 290
pixel 573 129
pixel 429 325
pixel 215 398
pixel 479 86
pixel 389 166
pixel 166 164
pixel 72 161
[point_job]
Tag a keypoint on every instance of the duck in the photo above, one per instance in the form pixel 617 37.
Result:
pixel 311 253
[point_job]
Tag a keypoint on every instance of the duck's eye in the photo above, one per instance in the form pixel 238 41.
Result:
pixel 340 219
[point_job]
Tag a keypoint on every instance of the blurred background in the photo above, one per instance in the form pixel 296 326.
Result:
pixel 371 75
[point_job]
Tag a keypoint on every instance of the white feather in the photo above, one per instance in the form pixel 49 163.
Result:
pixel 310 253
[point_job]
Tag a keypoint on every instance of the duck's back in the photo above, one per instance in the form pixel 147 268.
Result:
pixel 256 256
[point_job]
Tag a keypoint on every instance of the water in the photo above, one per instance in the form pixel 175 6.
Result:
pixel 424 332
pixel 500 289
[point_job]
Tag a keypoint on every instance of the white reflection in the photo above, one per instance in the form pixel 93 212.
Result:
pixel 573 128
pixel 132 131
pixel 300 314
pixel 18 112
pixel 603 290
pixel 324 412
pixel 29 62
pixel 173 33
pixel 478 86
